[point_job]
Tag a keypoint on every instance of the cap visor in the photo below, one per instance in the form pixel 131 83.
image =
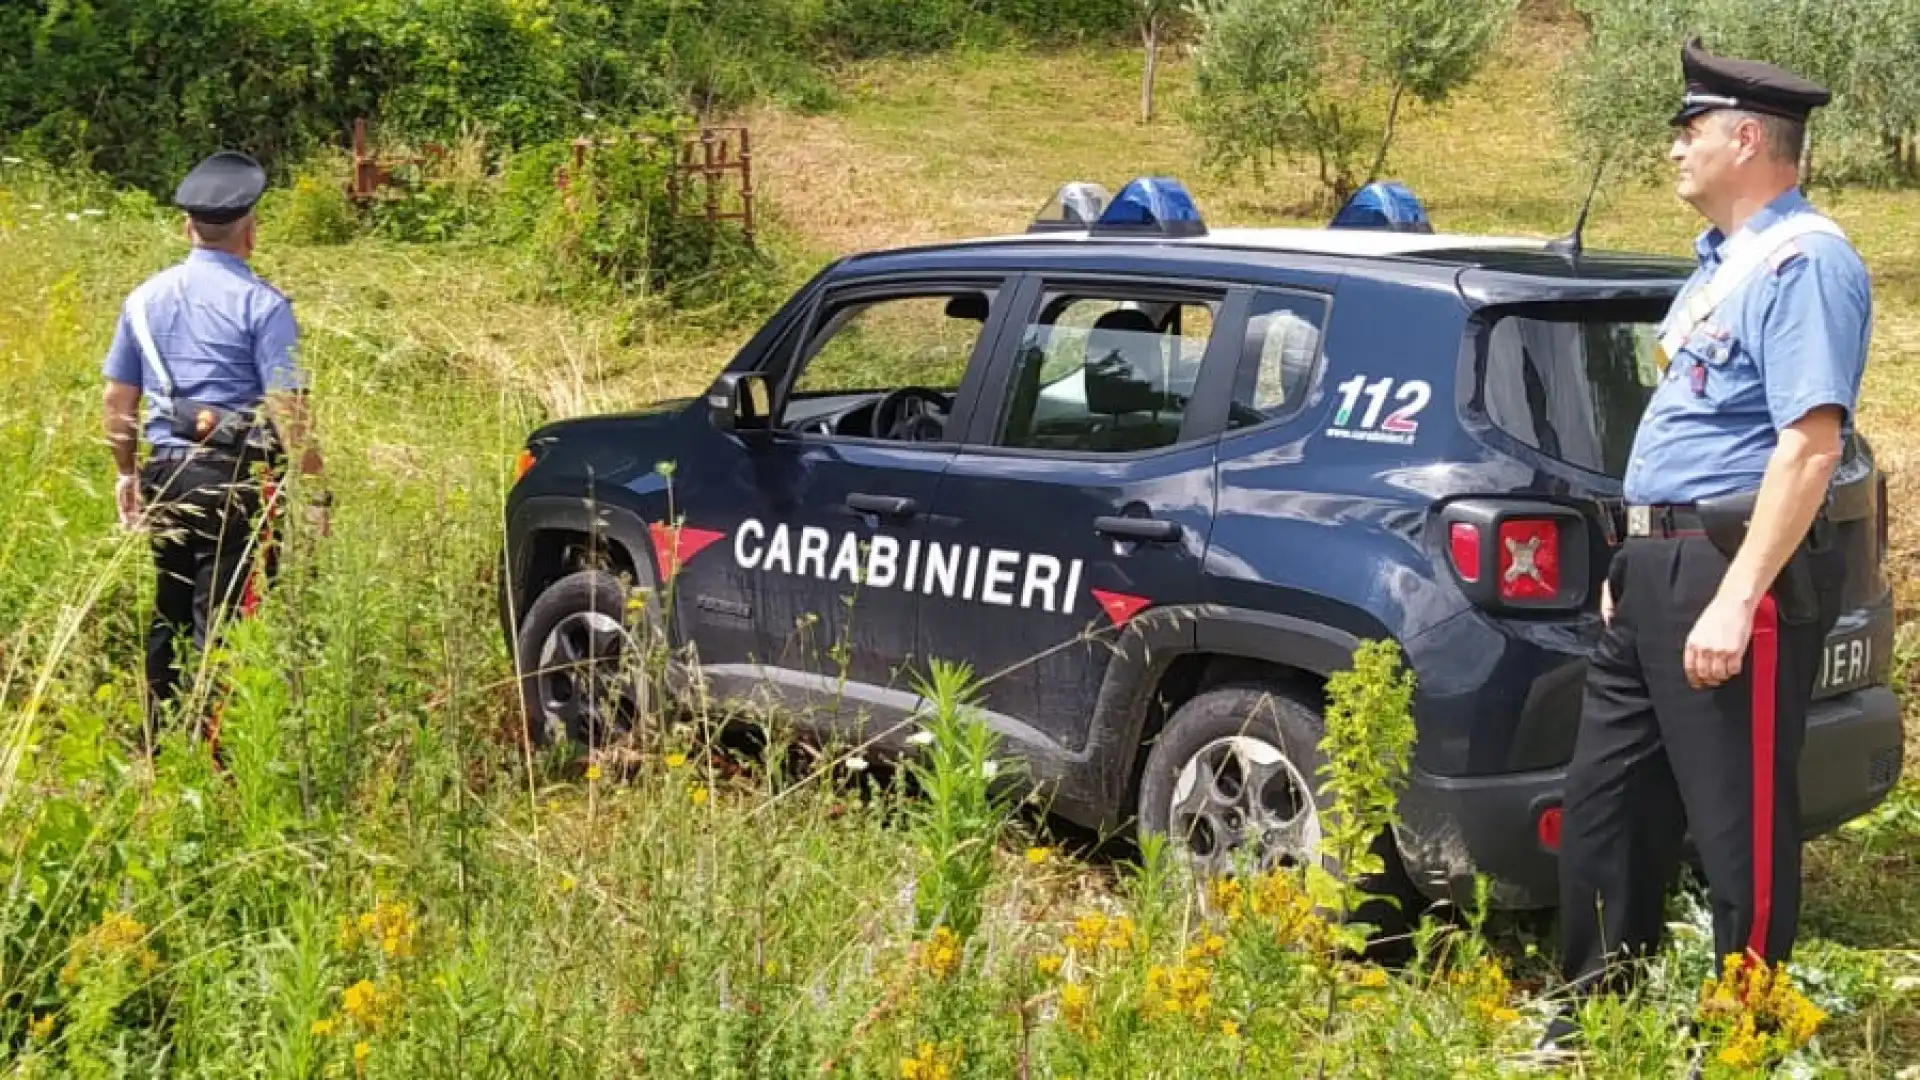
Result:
pixel 1687 113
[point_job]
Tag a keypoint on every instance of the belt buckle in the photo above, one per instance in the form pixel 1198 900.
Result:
pixel 1639 521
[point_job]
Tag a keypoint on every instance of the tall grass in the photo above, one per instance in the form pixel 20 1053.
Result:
pixel 382 881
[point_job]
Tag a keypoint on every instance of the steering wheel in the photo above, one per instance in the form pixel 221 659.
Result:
pixel 911 414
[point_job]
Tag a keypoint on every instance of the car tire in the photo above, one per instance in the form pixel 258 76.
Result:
pixel 581 662
pixel 1264 734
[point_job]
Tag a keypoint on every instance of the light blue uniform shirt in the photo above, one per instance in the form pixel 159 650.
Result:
pixel 226 336
pixel 1793 338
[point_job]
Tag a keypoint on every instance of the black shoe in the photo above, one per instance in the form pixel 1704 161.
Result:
pixel 1562 1034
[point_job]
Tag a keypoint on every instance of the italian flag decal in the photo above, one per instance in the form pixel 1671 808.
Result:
pixel 1120 607
pixel 673 545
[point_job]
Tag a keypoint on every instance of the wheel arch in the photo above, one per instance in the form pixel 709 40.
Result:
pixel 549 537
pixel 1144 686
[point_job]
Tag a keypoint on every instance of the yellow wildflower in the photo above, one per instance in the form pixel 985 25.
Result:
pixel 389 923
pixel 1181 991
pixel 1763 1016
pixel 360 1001
pixel 1038 856
pixel 1208 948
pixel 1225 895
pixel 1049 964
pixel 1085 935
pixel 324 1028
pixel 1230 1028
pixel 568 883
pixel 593 773
pixel 1074 1000
pixel 676 760
pixel 118 930
pixel 942 952
pixel 41 1028
pixel 698 795
pixel 118 936
pixel 1372 978
pixel 361 1051
pixel 932 1063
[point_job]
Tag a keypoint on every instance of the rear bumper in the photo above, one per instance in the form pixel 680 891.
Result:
pixel 1454 828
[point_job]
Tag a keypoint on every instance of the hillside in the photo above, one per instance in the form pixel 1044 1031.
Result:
pixel 383 884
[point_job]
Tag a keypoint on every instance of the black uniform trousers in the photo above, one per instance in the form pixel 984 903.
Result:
pixel 204 510
pixel 1656 760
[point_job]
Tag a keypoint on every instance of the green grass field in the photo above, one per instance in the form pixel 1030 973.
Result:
pixel 386 884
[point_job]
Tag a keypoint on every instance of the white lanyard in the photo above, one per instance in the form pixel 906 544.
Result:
pixel 143 335
pixel 1743 255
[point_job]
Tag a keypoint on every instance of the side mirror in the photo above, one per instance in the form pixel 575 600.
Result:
pixel 740 402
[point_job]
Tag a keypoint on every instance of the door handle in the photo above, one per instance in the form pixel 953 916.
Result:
pixel 1133 528
pixel 887 505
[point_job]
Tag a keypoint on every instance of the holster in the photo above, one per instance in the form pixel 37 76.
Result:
pixel 1725 518
pixel 207 424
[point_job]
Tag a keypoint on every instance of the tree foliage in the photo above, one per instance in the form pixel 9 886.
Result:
pixel 1297 78
pixel 1621 89
pixel 140 89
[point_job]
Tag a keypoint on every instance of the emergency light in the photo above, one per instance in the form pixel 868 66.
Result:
pixel 1383 204
pixel 1075 207
pixel 1153 205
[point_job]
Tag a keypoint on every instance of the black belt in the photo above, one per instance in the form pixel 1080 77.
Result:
pixel 1664 520
pixel 214 455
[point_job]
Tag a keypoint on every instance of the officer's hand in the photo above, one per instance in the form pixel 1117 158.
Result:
pixel 1718 643
pixel 126 497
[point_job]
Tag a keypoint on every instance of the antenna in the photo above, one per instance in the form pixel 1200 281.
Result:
pixel 1571 244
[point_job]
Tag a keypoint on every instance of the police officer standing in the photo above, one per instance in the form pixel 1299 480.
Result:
pixel 211 346
pixel 1718 600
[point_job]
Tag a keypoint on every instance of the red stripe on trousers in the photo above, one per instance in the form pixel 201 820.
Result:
pixel 1766 667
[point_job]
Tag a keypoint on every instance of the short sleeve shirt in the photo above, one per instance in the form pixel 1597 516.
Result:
pixel 1794 338
pixel 225 337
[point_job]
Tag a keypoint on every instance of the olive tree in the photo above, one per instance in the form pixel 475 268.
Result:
pixel 1321 78
pixel 1156 19
pixel 1620 90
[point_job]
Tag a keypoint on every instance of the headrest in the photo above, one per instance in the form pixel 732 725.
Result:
pixel 971 305
pixel 1123 358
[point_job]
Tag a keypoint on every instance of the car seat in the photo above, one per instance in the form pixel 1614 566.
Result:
pixel 1125 383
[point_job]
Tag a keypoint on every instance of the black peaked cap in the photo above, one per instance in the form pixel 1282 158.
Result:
pixel 1724 82
pixel 222 188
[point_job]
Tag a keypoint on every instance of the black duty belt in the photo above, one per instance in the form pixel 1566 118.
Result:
pixel 1664 520
pixel 173 454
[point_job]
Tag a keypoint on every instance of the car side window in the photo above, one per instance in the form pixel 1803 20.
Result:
pixel 895 341
pixel 1105 373
pixel 1282 347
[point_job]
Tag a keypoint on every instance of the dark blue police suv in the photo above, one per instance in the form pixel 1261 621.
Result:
pixel 1154 482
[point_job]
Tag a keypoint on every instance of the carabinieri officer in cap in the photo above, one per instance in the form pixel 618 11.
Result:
pixel 211 346
pixel 1718 600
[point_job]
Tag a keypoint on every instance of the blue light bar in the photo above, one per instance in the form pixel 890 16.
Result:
pixel 1075 207
pixel 1151 205
pixel 1383 204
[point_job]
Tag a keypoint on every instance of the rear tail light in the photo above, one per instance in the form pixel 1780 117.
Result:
pixel 1547 828
pixel 1516 555
pixel 1529 559
pixel 521 464
pixel 1463 543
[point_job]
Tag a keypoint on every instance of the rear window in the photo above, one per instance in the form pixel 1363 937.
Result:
pixel 1572 385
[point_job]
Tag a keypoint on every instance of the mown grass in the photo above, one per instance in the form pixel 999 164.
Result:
pixel 385 883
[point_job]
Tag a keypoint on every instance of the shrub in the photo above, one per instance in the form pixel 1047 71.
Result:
pixel 313 210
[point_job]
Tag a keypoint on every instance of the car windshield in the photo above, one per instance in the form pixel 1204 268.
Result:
pixel 1572 383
